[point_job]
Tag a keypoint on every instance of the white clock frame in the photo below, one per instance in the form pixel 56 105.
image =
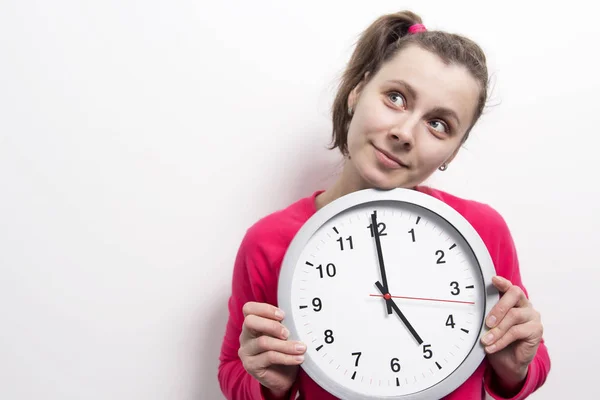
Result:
pixel 414 197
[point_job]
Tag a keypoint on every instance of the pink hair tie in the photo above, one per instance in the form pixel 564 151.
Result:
pixel 417 28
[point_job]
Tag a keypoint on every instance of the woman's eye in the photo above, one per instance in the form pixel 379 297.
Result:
pixel 439 126
pixel 397 99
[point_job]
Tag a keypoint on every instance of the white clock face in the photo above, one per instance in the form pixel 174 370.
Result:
pixel 336 297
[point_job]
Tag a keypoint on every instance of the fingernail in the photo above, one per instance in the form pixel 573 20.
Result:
pixel 300 347
pixel 285 333
pixel 279 313
pixel 491 348
pixel 300 358
pixel 488 338
pixel 491 321
pixel 502 279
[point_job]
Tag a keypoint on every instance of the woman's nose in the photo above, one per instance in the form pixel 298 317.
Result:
pixel 403 134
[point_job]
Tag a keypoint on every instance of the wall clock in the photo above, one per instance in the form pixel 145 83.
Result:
pixel 389 289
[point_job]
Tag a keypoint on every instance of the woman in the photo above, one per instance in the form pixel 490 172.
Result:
pixel 407 102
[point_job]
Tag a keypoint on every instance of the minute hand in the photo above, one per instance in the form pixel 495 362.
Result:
pixel 380 257
pixel 393 305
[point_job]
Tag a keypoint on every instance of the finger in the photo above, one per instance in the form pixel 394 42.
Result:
pixel 528 330
pixel 501 283
pixel 255 326
pixel 515 316
pixel 266 343
pixel 266 359
pixel 263 309
pixel 513 297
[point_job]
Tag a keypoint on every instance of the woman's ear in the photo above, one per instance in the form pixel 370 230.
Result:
pixel 449 159
pixel 353 98
pixel 355 93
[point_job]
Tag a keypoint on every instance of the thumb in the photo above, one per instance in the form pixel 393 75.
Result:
pixel 502 284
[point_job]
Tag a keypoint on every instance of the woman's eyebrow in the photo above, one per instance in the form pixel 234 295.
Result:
pixel 446 112
pixel 411 91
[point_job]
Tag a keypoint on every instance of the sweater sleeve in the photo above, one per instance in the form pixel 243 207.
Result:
pixel 507 265
pixel 248 284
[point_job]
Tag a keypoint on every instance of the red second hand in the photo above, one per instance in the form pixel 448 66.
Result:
pixel 388 296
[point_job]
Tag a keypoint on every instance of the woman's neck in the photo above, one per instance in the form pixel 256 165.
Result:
pixel 348 182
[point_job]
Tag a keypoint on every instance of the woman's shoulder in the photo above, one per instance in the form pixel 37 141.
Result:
pixel 277 229
pixel 486 219
pixel 491 227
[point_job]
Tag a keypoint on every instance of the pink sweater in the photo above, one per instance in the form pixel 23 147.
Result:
pixel 256 273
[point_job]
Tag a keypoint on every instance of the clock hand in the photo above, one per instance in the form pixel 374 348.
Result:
pixel 422 298
pixel 380 257
pixel 393 305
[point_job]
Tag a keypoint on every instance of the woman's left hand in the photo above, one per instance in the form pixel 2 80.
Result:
pixel 515 334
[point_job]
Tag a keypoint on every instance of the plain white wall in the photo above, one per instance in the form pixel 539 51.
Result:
pixel 139 140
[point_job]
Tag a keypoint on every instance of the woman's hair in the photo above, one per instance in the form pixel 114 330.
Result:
pixel 381 41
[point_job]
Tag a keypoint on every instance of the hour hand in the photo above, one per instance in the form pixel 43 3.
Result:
pixel 393 305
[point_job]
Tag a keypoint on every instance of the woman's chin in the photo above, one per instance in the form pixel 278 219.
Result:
pixel 377 180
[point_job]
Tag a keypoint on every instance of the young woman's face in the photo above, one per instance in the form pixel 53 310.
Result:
pixel 409 119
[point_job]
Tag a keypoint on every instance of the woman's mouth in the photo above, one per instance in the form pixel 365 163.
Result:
pixel 388 160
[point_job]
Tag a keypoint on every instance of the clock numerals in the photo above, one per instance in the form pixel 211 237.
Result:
pixel 329 336
pixel 440 259
pixel 412 233
pixel 329 270
pixel 395 365
pixel 317 305
pixel 357 355
pixel 427 353
pixel 455 290
pixel 450 321
pixel 380 229
pixel 341 242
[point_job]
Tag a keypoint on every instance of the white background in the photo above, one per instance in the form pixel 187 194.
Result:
pixel 140 139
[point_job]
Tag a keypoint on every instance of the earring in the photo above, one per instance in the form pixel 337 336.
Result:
pixel 350 111
pixel 443 167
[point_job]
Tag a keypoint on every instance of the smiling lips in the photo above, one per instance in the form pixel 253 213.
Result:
pixel 388 159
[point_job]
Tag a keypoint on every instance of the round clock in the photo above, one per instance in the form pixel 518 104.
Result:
pixel 389 289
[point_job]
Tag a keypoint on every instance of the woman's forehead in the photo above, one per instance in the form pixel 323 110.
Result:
pixel 431 81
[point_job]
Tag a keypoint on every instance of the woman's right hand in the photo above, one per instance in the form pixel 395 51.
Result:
pixel 265 351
